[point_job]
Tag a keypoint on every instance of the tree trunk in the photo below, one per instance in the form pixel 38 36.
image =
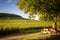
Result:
pixel 54 26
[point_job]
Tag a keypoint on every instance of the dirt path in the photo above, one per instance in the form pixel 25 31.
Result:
pixel 29 36
pixel 52 37
pixel 26 36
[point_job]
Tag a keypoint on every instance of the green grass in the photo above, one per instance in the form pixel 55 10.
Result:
pixel 23 23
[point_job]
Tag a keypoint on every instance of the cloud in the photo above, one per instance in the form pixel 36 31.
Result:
pixel 9 1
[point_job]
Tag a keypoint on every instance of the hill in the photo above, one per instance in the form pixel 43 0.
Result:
pixel 10 16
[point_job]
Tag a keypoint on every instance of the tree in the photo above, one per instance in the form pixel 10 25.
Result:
pixel 50 9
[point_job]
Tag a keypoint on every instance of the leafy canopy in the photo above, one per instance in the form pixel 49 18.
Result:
pixel 49 8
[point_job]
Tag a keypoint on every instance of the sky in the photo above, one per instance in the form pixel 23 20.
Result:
pixel 9 6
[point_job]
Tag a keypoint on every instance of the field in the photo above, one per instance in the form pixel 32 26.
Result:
pixel 25 23
pixel 24 26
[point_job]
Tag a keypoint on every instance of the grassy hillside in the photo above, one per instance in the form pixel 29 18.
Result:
pixel 10 16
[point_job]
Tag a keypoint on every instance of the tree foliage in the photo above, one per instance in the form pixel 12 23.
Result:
pixel 49 8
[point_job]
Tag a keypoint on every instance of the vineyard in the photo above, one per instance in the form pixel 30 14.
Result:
pixel 23 26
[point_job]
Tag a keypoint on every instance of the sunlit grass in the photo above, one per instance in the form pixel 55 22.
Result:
pixel 23 23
